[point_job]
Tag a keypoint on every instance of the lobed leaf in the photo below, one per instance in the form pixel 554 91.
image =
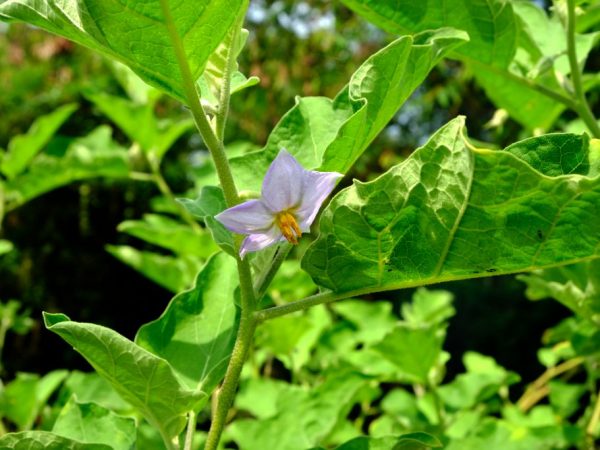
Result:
pixel 137 34
pixel 145 380
pixel 451 212
pixel 330 135
pixel 196 332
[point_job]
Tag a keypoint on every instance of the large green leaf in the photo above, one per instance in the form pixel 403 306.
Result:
pixel 451 212
pixel 197 331
pixel 95 155
pixel 22 149
pixel 489 23
pixel 44 440
pixel 332 134
pixel 145 380
pixel 93 424
pixel 136 33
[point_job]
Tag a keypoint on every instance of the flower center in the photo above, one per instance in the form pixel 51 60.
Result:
pixel 288 226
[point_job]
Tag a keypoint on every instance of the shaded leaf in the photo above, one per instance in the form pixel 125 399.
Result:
pixel 22 399
pixel 22 149
pixel 196 332
pixel 490 24
pixel 170 234
pixel 93 424
pixel 140 377
pixel 44 440
pixel 173 273
pixel 95 155
pixel 210 203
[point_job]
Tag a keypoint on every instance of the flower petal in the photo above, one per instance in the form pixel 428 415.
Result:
pixel 246 218
pixel 282 186
pixel 316 188
pixel 258 241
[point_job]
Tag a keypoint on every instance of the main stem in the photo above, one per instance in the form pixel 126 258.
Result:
pixel 248 303
pixel 582 106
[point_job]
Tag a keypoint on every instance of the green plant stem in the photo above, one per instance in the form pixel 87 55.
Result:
pixel 165 190
pixel 267 276
pixel 189 434
pixel 247 321
pixel 539 388
pixel 225 93
pixel 582 106
pixel 593 424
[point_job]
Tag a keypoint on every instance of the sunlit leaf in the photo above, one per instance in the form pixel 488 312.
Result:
pixel 145 380
pixel 331 134
pixel 450 212
pixel 114 29
pixel 197 331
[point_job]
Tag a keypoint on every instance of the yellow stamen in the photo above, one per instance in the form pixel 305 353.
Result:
pixel 288 226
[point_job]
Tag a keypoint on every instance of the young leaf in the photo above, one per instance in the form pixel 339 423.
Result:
pixel 197 331
pixel 175 273
pixel 44 440
pixel 22 149
pixel 210 203
pixel 142 378
pixel 93 424
pixel 331 134
pixel 95 155
pixel 453 212
pixel 114 29
pixel 211 82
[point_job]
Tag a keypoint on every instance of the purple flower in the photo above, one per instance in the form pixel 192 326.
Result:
pixel 290 200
